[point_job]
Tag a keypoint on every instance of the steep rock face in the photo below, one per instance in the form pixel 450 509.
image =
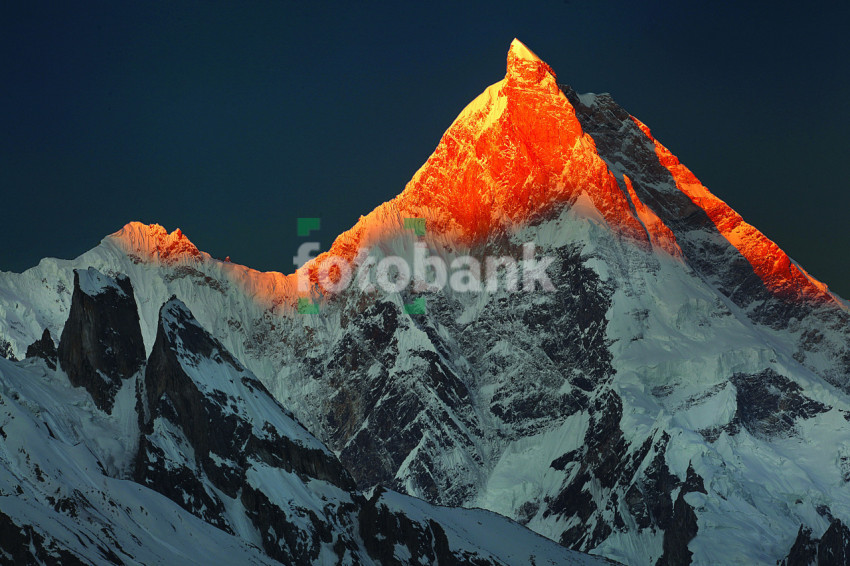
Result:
pixel 400 392
pixel 223 471
pixel 202 444
pixel 22 544
pixel 384 415
pixel 6 350
pixel 101 344
pixel 44 349
pixel 771 404
pixel 831 548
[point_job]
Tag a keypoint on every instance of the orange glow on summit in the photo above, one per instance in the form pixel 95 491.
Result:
pixel 515 154
pixel 153 243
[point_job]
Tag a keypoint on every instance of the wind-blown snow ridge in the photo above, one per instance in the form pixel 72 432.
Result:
pixel 783 276
pixel 153 244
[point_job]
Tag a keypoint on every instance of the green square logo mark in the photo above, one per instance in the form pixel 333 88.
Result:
pixel 416 307
pixel 306 306
pixel 307 225
pixel 415 224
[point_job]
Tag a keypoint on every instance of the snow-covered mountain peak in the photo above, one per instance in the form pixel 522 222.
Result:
pixel 671 401
pixel 514 154
pixel 526 68
pixel 152 242
pixel 519 50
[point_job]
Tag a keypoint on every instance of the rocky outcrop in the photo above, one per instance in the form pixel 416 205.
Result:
pixel 834 545
pixel 101 344
pixel 804 552
pixel 683 525
pixel 382 531
pixel 831 549
pixel 195 394
pixel 23 545
pixel 44 349
pixel 6 350
pixel 771 404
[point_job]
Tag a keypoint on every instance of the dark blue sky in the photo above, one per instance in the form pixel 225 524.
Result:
pixel 231 120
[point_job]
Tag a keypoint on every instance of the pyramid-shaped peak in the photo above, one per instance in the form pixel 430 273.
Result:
pixel 521 51
pixel 527 69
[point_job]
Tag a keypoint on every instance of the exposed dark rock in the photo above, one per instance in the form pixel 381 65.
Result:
pixel 679 521
pixel 222 440
pixel 200 278
pixel 101 344
pixel 682 529
pixel 658 485
pixel 834 545
pixel 44 349
pixel 182 482
pixel 693 482
pixel 599 463
pixel 429 408
pixel 283 540
pixel 769 403
pixel 832 549
pixel 6 351
pixel 382 531
pixel 804 550
pixel 400 407
pixel 603 467
pixel 23 545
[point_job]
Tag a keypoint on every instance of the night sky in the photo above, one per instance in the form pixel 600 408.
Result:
pixel 232 120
